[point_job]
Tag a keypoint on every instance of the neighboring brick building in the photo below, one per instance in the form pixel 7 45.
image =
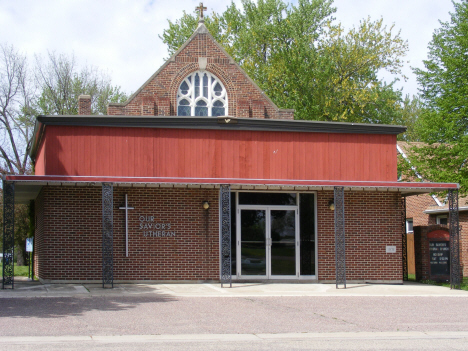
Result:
pixel 429 211
pixel 154 190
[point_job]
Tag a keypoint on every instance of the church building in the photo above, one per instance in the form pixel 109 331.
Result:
pixel 200 177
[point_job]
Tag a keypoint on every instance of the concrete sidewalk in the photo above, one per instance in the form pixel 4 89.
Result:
pixel 27 288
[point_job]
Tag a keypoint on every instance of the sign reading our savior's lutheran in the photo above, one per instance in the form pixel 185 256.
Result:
pixel 151 228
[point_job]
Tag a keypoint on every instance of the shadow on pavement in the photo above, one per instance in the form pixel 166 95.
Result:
pixel 57 307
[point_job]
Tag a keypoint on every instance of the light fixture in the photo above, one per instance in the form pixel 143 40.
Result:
pixel 331 205
pixel 206 205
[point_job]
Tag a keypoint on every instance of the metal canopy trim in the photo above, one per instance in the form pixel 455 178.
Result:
pixel 28 187
pixel 352 185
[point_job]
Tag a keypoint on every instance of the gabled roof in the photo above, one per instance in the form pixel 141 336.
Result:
pixel 201 29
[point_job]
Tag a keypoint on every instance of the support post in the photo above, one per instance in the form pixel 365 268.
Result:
pixel 404 240
pixel 8 234
pixel 340 247
pixel 454 229
pixel 226 269
pixel 107 234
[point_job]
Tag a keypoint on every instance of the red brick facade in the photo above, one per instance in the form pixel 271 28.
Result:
pixel 373 221
pixel 158 96
pixel 69 235
pixel 415 207
pixel 71 249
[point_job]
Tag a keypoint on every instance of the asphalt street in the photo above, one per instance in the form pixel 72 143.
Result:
pixel 144 321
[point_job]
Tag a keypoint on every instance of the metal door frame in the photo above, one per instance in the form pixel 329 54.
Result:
pixel 267 210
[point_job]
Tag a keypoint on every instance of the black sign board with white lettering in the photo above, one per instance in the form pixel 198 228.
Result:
pixel 439 254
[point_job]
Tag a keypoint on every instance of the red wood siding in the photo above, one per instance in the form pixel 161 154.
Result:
pixel 39 166
pixel 145 152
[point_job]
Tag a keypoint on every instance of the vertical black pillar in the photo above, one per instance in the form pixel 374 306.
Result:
pixel 8 234
pixel 455 274
pixel 340 247
pixel 107 235
pixel 226 269
pixel 404 240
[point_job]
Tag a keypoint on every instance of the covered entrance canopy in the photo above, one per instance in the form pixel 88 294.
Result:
pixel 21 189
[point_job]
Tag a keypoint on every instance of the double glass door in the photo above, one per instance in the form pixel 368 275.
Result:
pixel 267 242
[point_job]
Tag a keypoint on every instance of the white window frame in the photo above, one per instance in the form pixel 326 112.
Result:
pixel 439 217
pixel 407 225
pixel 210 100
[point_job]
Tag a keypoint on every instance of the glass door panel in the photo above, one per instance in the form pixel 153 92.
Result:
pixel 283 242
pixel 253 242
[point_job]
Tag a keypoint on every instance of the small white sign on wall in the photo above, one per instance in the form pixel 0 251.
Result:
pixel 390 249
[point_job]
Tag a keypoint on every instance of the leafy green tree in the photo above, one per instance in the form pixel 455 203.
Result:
pixel 303 61
pixel 411 110
pixel 443 123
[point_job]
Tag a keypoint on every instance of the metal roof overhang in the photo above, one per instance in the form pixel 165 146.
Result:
pixel 28 187
pixel 444 210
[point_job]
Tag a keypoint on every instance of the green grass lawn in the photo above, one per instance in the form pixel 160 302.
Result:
pixel 464 284
pixel 20 271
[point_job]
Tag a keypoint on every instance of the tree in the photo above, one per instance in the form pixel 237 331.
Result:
pixel 16 111
pixel 303 61
pixel 61 83
pixel 410 114
pixel 443 123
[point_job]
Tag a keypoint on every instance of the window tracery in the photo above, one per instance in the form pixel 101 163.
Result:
pixel 202 94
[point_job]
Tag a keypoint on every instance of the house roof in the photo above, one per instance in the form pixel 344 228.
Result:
pixel 201 29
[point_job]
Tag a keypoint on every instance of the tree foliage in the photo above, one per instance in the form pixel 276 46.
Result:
pixel 51 87
pixel 443 123
pixel 302 60
pixel 62 82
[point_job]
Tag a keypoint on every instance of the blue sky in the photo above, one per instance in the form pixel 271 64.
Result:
pixel 121 37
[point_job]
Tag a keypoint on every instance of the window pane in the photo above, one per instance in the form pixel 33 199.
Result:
pixel 184 102
pixel 217 111
pixel 307 233
pixel 183 111
pixel 184 88
pixel 409 225
pixel 197 85
pixel 267 199
pixel 205 85
pixel 218 90
pixel 218 103
pixel 201 111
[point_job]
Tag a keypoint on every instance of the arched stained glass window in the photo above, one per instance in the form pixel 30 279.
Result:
pixel 206 96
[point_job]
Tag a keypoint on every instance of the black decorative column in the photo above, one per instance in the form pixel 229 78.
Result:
pixel 404 240
pixel 107 234
pixel 340 247
pixel 226 269
pixel 455 274
pixel 8 234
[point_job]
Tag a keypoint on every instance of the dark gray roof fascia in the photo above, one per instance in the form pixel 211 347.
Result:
pixel 221 123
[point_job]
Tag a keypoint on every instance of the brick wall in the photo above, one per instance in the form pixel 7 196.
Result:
pixel 69 236
pixel 159 95
pixel 84 105
pixel 373 221
pixel 71 240
pixel 415 206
